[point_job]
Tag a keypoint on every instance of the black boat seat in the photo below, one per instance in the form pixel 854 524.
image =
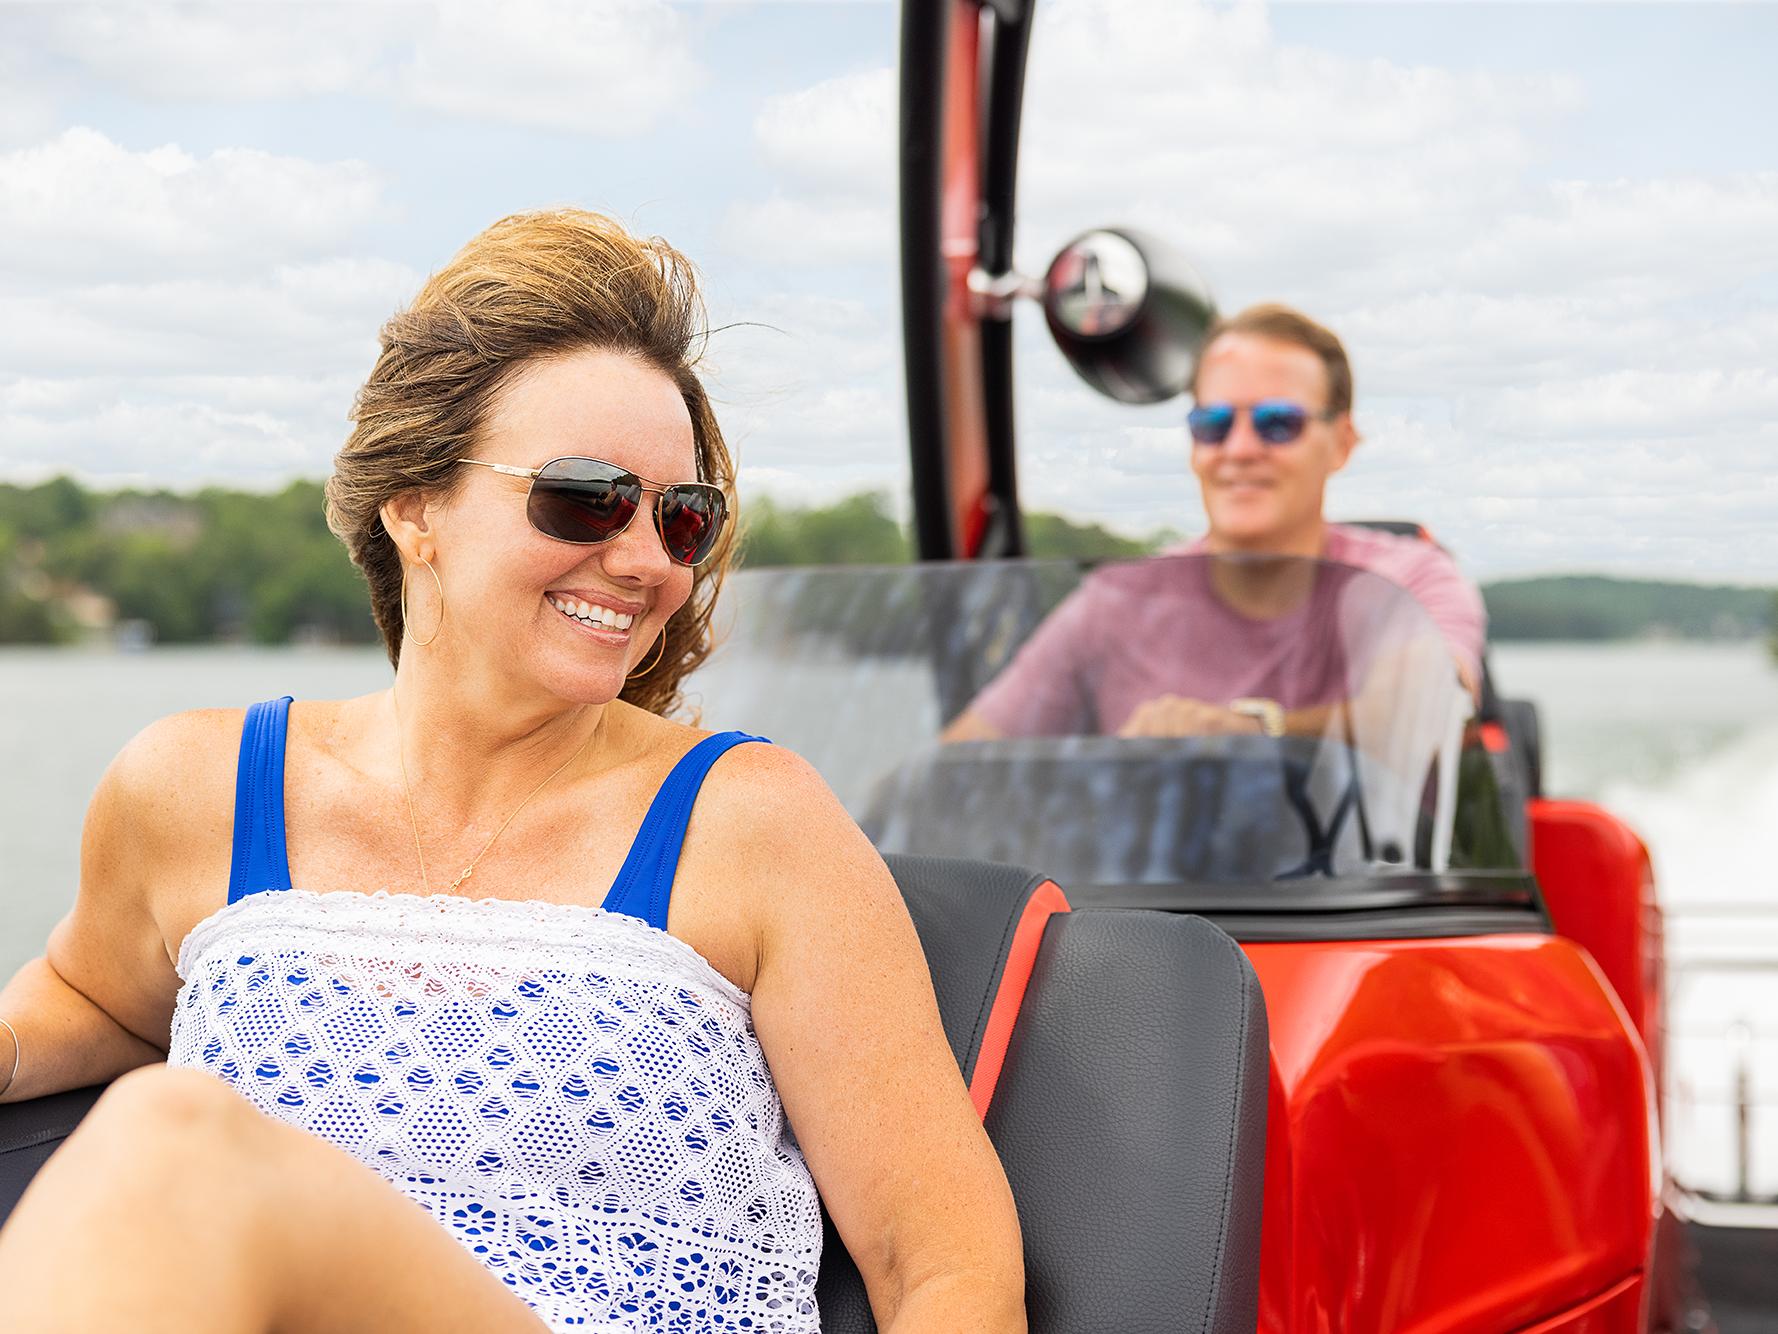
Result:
pixel 1129 1110
pixel 32 1130
pixel 1121 1059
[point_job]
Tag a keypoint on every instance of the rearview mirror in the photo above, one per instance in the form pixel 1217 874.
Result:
pixel 1128 313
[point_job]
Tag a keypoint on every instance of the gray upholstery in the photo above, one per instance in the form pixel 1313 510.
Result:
pixel 1131 1120
pixel 965 914
pixel 1130 1114
pixel 32 1130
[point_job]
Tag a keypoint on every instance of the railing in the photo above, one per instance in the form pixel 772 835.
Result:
pixel 1722 1059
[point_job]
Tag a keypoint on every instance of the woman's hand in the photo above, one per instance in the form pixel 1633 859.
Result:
pixel 844 1009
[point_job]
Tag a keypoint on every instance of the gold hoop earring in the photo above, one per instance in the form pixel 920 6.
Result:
pixel 659 649
pixel 441 603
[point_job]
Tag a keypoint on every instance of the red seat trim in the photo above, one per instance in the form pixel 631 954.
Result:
pixel 1021 956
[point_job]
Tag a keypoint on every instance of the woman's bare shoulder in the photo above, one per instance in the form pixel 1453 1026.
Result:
pixel 158 824
pixel 773 812
pixel 181 754
pixel 170 790
pixel 777 780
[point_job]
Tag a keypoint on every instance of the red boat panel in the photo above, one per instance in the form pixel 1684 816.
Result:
pixel 1597 883
pixel 1617 1308
pixel 1458 1140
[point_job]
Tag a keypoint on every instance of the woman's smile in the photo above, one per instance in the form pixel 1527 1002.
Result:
pixel 599 618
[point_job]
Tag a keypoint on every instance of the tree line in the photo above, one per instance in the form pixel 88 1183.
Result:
pixel 222 564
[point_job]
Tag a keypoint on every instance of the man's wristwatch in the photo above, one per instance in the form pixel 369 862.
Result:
pixel 1268 713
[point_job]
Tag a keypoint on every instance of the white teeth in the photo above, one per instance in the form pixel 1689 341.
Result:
pixel 590 613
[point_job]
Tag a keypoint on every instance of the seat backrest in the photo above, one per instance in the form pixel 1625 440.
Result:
pixel 1129 1110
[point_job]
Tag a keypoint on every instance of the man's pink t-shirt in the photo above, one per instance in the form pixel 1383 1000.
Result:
pixel 1131 633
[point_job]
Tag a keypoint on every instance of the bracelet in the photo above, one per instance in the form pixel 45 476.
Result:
pixel 16 1049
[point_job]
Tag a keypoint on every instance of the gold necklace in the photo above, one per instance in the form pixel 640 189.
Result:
pixel 413 820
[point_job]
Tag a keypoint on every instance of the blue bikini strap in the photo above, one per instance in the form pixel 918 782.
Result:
pixel 259 861
pixel 644 886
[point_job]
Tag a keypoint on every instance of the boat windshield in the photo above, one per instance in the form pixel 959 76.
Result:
pixel 1178 720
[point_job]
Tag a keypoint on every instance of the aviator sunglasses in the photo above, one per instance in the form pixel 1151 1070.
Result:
pixel 587 501
pixel 1276 421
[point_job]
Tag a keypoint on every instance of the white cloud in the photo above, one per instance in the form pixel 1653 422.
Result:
pixel 129 433
pixel 1729 406
pixel 312 318
pixel 177 319
pixel 1552 369
pixel 809 394
pixel 81 205
pixel 792 232
pixel 27 108
pixel 224 52
pixel 1217 90
pixel 839 134
pixel 833 144
pixel 605 68
pixel 183 317
pixel 1649 238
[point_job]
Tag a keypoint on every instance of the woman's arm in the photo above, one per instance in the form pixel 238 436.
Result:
pixel 65 1040
pixel 100 1000
pixel 844 1009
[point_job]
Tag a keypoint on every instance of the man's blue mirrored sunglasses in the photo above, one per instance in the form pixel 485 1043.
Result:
pixel 1276 421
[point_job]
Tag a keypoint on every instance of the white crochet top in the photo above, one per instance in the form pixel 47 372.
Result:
pixel 575 1095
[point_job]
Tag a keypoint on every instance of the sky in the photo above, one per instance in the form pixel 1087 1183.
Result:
pixel 1547 233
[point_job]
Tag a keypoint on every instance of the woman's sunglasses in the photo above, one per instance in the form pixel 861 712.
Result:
pixel 1276 421
pixel 589 500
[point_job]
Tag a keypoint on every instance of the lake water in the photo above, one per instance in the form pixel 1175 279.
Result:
pixel 1680 739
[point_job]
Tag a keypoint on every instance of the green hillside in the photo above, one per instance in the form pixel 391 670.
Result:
pixel 232 565
pixel 1596 607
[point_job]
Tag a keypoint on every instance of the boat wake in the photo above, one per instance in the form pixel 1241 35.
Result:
pixel 1710 824
pixel 1710 830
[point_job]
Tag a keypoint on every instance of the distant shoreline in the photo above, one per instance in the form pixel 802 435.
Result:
pixel 1602 609
pixel 219 566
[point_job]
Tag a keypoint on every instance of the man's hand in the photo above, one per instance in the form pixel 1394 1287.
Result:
pixel 1174 715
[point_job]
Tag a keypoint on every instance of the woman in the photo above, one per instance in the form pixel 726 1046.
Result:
pixel 573 1084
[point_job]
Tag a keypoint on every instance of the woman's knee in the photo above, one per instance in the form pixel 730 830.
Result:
pixel 171 1121
pixel 174 1095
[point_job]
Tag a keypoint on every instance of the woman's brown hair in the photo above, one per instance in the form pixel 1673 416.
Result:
pixel 533 285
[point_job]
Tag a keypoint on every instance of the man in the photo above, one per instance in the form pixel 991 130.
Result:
pixel 1149 653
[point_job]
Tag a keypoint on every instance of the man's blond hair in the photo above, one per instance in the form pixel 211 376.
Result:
pixel 1282 323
